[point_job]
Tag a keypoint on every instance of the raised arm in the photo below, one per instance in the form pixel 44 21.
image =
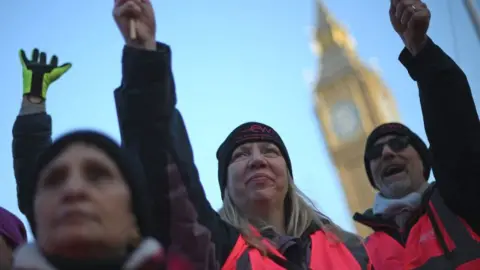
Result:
pixel 153 129
pixel 449 114
pixel 32 129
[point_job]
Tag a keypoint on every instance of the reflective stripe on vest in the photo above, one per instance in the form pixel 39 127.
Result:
pixel 466 253
pixel 324 255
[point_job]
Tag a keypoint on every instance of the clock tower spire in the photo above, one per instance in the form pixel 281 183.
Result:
pixel 350 100
pixel 333 44
pixel 330 33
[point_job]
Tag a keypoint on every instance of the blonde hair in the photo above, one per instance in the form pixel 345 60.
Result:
pixel 303 214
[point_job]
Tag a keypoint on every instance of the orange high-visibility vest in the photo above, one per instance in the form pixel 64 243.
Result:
pixel 324 255
pixel 446 243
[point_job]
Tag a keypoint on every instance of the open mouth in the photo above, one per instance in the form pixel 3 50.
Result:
pixel 393 169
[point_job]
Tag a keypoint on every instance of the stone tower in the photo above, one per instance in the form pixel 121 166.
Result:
pixel 350 100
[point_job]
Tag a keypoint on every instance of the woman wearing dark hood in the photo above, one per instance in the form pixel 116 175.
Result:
pixel 89 209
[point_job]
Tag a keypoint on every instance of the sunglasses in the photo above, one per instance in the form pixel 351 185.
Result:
pixel 396 144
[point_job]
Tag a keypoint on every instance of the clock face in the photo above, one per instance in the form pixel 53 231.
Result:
pixel 345 120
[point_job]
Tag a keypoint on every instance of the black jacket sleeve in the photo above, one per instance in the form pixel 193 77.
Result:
pixel 452 127
pixel 149 121
pixel 142 130
pixel 32 134
pixel 223 234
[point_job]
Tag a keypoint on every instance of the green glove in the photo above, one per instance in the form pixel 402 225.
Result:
pixel 38 75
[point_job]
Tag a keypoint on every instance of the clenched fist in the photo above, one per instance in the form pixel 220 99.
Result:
pixel 141 13
pixel 410 19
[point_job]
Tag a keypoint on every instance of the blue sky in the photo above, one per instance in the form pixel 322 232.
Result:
pixel 234 61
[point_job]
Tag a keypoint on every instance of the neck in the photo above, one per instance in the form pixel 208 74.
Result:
pixel 79 255
pixel 87 251
pixel 399 207
pixel 269 215
pixel 61 263
pixel 31 256
pixel 422 187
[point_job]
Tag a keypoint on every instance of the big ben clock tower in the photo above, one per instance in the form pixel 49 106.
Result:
pixel 350 100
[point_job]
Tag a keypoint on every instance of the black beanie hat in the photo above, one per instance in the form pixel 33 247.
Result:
pixel 128 166
pixel 247 132
pixel 400 130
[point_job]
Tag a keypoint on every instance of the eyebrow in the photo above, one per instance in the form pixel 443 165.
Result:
pixel 269 144
pixel 242 148
pixel 49 170
pixel 97 164
pixel 87 161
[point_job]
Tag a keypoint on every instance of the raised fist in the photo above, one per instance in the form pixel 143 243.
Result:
pixel 139 15
pixel 410 19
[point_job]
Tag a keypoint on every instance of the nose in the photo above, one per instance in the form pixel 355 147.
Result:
pixel 257 160
pixel 74 189
pixel 387 153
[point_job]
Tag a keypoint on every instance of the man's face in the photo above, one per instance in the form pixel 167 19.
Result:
pixel 396 166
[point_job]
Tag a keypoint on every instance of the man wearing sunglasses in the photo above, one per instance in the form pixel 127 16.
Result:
pixel 414 227
pixel 398 165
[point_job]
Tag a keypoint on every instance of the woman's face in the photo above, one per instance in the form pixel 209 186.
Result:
pixel 257 173
pixel 82 205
